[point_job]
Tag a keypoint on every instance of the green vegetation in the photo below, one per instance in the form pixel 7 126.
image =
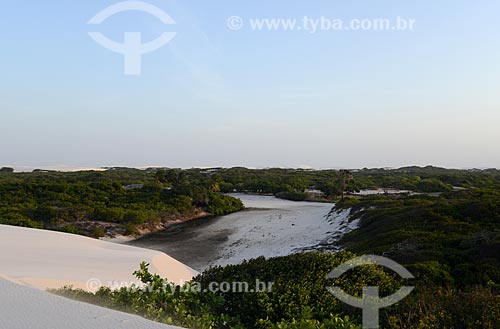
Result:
pixel 450 239
pixel 117 201
pixel 334 183
pixel 427 179
pixel 298 298
pixel 292 196
pixel 121 200
pixel 447 235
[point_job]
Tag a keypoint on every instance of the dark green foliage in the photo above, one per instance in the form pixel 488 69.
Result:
pixel 22 221
pixel 293 196
pixel 427 179
pixel 335 182
pixel 438 307
pixel 68 229
pixel 54 200
pixel 453 238
pixel 274 181
pixel 98 232
pixel 123 199
pixel 299 285
pixel 298 298
pixel 431 185
pixel 220 204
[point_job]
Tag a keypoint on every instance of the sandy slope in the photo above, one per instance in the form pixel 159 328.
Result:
pixel 44 259
pixel 28 308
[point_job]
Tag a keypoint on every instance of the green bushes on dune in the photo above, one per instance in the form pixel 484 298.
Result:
pixel 298 298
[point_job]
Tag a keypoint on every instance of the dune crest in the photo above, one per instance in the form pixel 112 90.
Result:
pixel 50 260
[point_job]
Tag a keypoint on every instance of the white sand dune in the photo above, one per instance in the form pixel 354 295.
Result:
pixel 28 308
pixel 47 260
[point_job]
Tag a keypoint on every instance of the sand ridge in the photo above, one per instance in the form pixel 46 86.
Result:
pixel 47 260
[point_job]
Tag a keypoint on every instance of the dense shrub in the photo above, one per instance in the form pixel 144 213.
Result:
pixel 72 202
pixel 298 298
pixel 450 239
pixel 220 204
pixel 437 307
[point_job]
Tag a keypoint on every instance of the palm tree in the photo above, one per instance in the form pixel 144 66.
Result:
pixel 345 178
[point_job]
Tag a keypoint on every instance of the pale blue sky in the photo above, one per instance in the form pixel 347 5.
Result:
pixel 214 96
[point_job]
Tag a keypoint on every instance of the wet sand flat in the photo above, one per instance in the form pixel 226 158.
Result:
pixel 268 227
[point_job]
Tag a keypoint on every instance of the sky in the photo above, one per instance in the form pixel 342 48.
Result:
pixel 220 96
